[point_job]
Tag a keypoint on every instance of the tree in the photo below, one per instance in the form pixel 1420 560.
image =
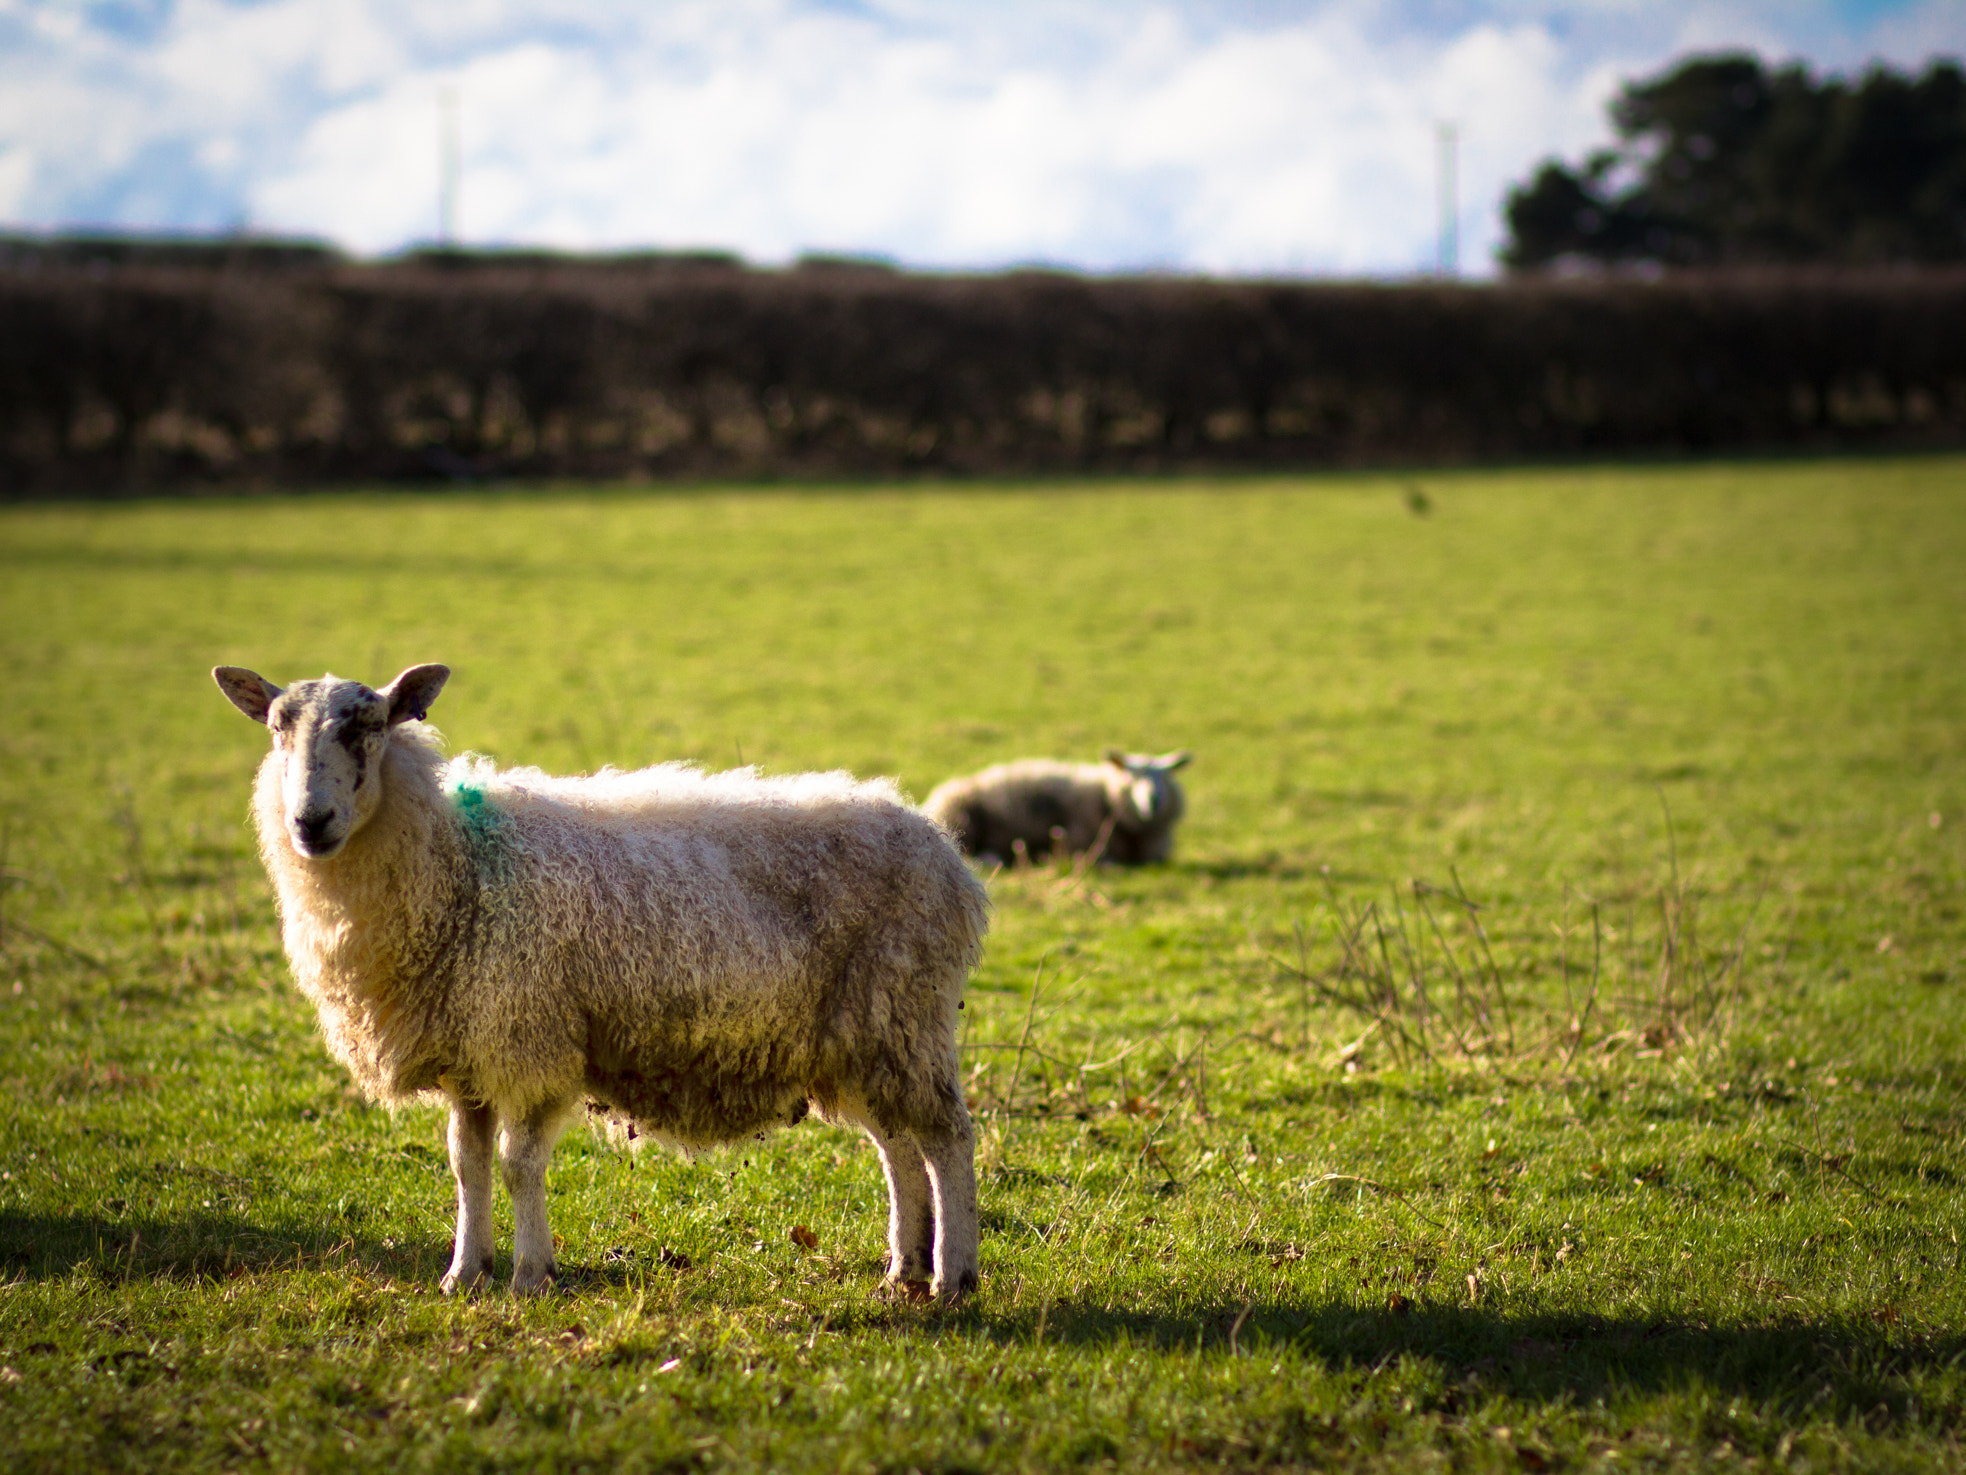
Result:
pixel 1720 162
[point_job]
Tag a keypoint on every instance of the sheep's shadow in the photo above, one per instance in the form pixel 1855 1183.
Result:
pixel 1270 866
pixel 1858 1367
pixel 217 1246
pixel 1861 1367
pixel 212 1245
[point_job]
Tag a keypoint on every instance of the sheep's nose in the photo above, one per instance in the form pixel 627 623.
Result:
pixel 313 827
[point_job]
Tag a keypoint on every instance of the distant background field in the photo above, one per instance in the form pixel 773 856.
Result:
pixel 1674 1171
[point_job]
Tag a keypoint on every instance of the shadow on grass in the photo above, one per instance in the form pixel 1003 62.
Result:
pixel 210 1246
pixel 269 560
pixel 1270 866
pixel 217 1246
pixel 1864 1369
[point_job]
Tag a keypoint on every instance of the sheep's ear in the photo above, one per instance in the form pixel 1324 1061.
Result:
pixel 411 694
pixel 247 690
pixel 1118 759
pixel 1168 762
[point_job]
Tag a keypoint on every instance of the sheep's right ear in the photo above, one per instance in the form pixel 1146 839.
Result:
pixel 411 694
pixel 1117 758
pixel 247 690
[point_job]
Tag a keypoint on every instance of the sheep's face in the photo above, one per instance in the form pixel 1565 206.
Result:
pixel 329 737
pixel 1143 788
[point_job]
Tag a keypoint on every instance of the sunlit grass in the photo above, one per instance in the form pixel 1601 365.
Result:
pixel 1660 1165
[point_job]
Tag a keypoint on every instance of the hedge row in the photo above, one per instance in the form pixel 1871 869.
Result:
pixel 134 374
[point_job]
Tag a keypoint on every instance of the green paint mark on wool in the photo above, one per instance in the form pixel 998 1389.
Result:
pixel 478 813
pixel 483 822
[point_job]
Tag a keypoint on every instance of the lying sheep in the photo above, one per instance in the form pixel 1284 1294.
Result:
pixel 1125 808
pixel 700 956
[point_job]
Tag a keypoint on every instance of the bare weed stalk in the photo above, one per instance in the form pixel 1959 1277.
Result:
pixel 1422 970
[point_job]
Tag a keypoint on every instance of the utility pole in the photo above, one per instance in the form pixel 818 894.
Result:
pixel 449 165
pixel 1447 140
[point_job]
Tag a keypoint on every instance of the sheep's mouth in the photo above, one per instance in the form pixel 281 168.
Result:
pixel 318 849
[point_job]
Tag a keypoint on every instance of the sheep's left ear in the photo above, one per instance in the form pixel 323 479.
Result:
pixel 247 690
pixel 411 694
pixel 1118 759
pixel 1168 762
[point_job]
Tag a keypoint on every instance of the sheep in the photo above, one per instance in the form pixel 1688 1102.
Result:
pixel 697 956
pixel 1125 809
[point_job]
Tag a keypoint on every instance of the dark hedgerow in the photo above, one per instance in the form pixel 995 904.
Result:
pixel 120 373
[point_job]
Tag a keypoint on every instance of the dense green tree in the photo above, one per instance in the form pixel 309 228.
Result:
pixel 1720 162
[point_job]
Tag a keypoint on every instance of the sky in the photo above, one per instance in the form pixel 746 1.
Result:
pixel 1238 137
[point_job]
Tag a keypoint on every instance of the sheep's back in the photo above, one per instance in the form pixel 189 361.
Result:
pixel 1025 800
pixel 732 951
pixel 729 897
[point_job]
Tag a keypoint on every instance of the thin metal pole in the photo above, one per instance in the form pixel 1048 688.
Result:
pixel 450 165
pixel 1447 137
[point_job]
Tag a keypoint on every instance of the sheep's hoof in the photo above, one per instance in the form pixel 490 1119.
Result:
pixel 526 1281
pixel 949 1293
pixel 459 1279
pixel 916 1292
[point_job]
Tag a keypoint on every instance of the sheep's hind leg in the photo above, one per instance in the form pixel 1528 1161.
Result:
pixel 523 1149
pixel 950 1156
pixel 910 1213
pixel 470 1141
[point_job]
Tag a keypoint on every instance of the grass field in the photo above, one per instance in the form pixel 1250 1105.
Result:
pixel 1651 1161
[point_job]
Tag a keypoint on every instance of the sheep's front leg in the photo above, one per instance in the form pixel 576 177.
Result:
pixel 471 1161
pixel 523 1149
pixel 910 1215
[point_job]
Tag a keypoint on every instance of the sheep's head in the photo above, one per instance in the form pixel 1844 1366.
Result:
pixel 1143 787
pixel 329 736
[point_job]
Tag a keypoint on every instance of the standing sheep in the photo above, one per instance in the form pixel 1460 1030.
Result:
pixel 1131 801
pixel 701 955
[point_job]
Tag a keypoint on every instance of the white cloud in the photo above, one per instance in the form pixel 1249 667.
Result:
pixel 1309 146
pixel 1240 135
pixel 234 59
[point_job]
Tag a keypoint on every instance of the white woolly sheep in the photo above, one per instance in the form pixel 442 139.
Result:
pixel 701 956
pixel 1126 806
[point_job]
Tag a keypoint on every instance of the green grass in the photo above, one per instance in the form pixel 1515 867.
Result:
pixel 1673 1178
